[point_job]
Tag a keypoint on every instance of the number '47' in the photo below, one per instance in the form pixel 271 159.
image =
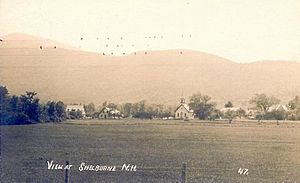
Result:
pixel 243 171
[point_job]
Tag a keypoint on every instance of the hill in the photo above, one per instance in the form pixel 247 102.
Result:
pixel 157 76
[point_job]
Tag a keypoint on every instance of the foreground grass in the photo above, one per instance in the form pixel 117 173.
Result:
pixel 213 151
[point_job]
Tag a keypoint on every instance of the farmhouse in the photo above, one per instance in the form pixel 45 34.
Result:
pixel 75 108
pixel 109 113
pixel 183 111
pixel 278 107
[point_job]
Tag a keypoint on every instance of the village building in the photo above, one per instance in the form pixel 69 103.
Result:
pixel 226 109
pixel 183 111
pixel 250 113
pixel 75 108
pixel 279 107
pixel 109 113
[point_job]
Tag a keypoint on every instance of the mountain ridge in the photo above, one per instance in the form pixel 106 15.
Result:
pixel 76 76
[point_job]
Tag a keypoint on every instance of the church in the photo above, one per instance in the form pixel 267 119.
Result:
pixel 183 111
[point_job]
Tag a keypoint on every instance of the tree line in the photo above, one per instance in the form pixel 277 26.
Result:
pixel 141 110
pixel 261 104
pixel 27 109
pixel 205 109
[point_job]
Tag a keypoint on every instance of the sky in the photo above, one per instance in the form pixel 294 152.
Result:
pixel 239 30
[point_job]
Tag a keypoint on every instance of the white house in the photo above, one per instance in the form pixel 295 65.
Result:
pixel 278 107
pixel 75 107
pixel 109 113
pixel 183 111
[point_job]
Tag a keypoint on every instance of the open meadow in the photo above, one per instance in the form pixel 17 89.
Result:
pixel 212 151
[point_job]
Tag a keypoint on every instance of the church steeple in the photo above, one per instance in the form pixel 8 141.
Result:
pixel 182 100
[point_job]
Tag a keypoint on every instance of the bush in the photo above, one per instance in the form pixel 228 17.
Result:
pixel 75 115
pixel 8 118
pixel 143 115
pixel 275 115
pixel 26 109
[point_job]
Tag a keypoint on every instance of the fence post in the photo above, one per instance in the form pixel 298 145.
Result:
pixel 183 173
pixel 67 173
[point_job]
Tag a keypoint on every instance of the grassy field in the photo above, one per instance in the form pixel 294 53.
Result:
pixel 213 152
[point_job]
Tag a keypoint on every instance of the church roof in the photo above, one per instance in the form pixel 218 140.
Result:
pixel 187 107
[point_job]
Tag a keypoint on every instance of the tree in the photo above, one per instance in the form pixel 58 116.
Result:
pixel 26 109
pixel 230 115
pixel 89 109
pixel 3 95
pixel 44 117
pixel 262 103
pixel 3 104
pixel 215 114
pixel 61 110
pixel 240 112
pixel 144 110
pixel 275 115
pixel 295 103
pixel 141 110
pixel 51 111
pixel 142 106
pixel 201 105
pixel 228 104
pixel 30 106
pixel 294 106
pixel 127 110
pixel 13 104
pixel 19 110
pixel 134 109
pixel 104 104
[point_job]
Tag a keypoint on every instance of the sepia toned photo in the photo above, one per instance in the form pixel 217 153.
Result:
pixel 134 91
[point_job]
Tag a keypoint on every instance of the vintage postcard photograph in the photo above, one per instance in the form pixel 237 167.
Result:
pixel 150 91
